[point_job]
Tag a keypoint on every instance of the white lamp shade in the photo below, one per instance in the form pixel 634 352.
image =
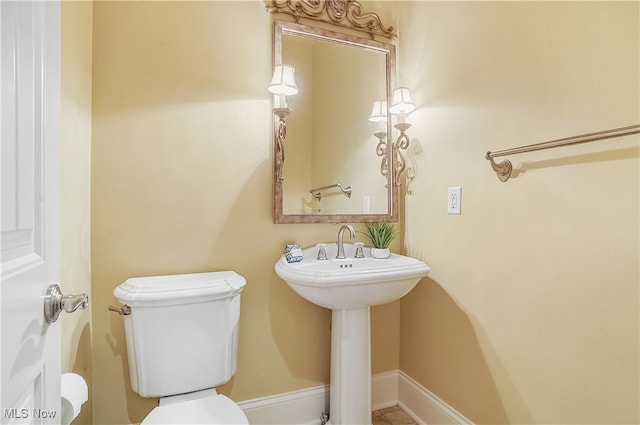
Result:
pixel 401 101
pixel 379 112
pixel 284 80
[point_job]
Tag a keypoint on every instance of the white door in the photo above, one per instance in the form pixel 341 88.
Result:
pixel 30 240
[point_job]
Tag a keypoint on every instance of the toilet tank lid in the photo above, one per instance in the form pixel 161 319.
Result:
pixel 171 289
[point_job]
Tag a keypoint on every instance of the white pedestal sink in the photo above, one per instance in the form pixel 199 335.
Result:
pixel 349 287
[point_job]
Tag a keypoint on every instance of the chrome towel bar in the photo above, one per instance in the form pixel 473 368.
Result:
pixel 317 192
pixel 504 168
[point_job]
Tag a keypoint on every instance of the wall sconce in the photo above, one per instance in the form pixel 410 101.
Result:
pixel 283 84
pixel 379 115
pixel 401 104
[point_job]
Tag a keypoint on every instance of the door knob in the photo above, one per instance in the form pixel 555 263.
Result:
pixel 55 302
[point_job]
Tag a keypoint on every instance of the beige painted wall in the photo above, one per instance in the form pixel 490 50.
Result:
pixel 181 182
pixel 76 42
pixel 531 311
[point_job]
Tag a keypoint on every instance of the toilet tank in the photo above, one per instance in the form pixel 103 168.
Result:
pixel 182 332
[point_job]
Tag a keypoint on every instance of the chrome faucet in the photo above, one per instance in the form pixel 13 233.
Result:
pixel 341 239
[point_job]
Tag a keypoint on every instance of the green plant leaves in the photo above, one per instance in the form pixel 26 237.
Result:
pixel 381 233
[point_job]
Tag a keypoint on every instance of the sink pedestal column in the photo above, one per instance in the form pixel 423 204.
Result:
pixel 350 367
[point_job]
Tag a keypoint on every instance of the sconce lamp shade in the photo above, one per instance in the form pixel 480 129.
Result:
pixel 401 101
pixel 379 112
pixel 283 81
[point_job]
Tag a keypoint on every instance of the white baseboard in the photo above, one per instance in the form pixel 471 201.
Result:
pixel 384 389
pixel 387 389
pixel 424 406
pixel 302 407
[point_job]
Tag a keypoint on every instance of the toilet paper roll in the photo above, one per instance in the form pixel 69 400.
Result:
pixel 74 392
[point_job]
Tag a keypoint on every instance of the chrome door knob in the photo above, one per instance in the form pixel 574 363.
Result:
pixel 55 303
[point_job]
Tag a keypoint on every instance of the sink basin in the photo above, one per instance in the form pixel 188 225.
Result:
pixel 349 287
pixel 351 283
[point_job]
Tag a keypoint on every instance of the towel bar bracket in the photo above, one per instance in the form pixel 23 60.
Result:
pixel 503 169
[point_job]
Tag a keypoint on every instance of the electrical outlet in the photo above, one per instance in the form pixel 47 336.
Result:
pixel 453 200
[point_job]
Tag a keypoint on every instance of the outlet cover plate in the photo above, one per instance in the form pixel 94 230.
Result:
pixel 453 200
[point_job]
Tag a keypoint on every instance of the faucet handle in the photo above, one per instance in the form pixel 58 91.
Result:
pixel 359 250
pixel 322 253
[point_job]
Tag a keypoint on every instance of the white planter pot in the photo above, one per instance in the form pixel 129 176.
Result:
pixel 380 252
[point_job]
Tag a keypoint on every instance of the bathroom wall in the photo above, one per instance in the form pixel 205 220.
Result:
pixel 181 168
pixel 530 314
pixel 531 311
pixel 76 43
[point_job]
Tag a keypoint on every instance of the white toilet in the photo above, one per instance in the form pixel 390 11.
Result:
pixel 182 342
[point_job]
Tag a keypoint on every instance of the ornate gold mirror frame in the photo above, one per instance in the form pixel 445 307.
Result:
pixel 348 16
pixel 343 13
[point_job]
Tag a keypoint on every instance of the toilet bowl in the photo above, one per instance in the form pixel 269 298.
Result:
pixel 182 342
pixel 201 407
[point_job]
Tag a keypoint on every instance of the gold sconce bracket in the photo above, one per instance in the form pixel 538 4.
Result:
pixel 393 160
pixel 403 139
pixel 381 151
pixel 398 162
pixel 282 112
pixel 281 134
pixel 401 143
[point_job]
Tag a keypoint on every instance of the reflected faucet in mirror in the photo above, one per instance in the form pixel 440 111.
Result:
pixel 401 105
pixel 283 84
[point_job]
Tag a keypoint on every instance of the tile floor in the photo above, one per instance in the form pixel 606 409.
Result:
pixel 391 416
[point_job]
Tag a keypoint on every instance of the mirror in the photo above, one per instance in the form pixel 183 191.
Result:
pixel 332 172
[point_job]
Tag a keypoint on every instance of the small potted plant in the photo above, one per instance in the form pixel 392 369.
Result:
pixel 380 234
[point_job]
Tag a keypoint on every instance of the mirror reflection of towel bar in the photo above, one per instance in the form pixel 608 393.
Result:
pixel 317 192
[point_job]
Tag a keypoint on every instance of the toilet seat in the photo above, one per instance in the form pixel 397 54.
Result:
pixel 211 409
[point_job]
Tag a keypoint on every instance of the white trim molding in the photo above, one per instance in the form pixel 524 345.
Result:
pixel 302 407
pixel 424 406
pixel 384 389
pixel 387 389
